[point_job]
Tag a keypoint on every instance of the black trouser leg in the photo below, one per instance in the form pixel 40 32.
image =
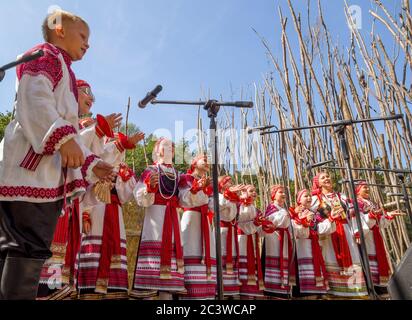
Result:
pixel 21 278
pixel 27 231
pixel 2 260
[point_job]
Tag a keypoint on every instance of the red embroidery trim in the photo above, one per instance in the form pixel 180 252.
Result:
pixel 32 160
pixel 119 146
pixel 125 172
pixel 73 82
pixel 99 132
pixel 40 193
pixel 87 163
pixel 49 65
pixel 56 137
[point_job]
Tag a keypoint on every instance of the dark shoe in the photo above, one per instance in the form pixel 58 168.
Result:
pixel 21 278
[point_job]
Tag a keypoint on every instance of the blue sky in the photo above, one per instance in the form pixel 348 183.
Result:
pixel 191 47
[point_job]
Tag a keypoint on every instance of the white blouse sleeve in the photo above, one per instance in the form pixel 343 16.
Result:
pixel 247 214
pixel 125 189
pixel 192 200
pixel 143 198
pixel 112 155
pixel 326 227
pixel 280 219
pixel 36 112
pixel 227 209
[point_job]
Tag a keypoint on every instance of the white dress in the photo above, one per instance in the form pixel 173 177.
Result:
pixel 199 248
pixel 277 248
pixel 249 253
pixel 230 258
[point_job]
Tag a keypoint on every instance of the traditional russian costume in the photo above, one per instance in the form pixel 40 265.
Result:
pixel 373 222
pixel 278 249
pixel 312 274
pixel 160 260
pixel 229 241
pixel 340 251
pixel 198 240
pixel 250 264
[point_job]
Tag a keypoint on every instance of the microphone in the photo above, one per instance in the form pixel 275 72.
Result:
pixel 150 97
pixel 355 181
pixel 390 205
pixel 244 104
pixel 319 164
pixel 33 56
pixel 251 130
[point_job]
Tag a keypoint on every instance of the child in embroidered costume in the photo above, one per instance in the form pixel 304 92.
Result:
pixel 198 238
pixel 374 219
pixel 228 208
pixel 339 249
pixel 278 246
pixel 102 262
pixel 58 278
pixel 249 228
pixel 160 266
pixel 308 226
pixel 41 141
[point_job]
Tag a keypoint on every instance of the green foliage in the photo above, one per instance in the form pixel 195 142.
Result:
pixel 5 119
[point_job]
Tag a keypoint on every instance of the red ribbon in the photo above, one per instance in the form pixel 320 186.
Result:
pixel 383 264
pixel 281 237
pixel 229 244
pixel 111 238
pixel 73 245
pixel 340 245
pixel 170 228
pixel 318 261
pixel 254 263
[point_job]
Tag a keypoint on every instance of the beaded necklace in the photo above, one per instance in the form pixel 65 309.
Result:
pixel 162 185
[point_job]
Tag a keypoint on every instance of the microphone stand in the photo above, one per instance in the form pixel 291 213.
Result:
pixel 212 107
pixel 404 193
pixel 371 169
pixel 339 129
pixel 373 184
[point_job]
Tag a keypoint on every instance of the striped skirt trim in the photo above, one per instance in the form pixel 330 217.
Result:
pixel 88 266
pixel 274 283
pixel 147 271
pixel 349 283
pixel 307 280
pixel 198 283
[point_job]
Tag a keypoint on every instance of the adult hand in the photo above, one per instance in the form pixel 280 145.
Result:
pixel 71 154
pixel 154 180
pixel 104 171
pixel 136 138
pixel 114 120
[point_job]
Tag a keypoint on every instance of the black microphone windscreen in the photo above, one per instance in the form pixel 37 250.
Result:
pixel 150 97
pixel 35 55
pixel 157 90
pixel 244 104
